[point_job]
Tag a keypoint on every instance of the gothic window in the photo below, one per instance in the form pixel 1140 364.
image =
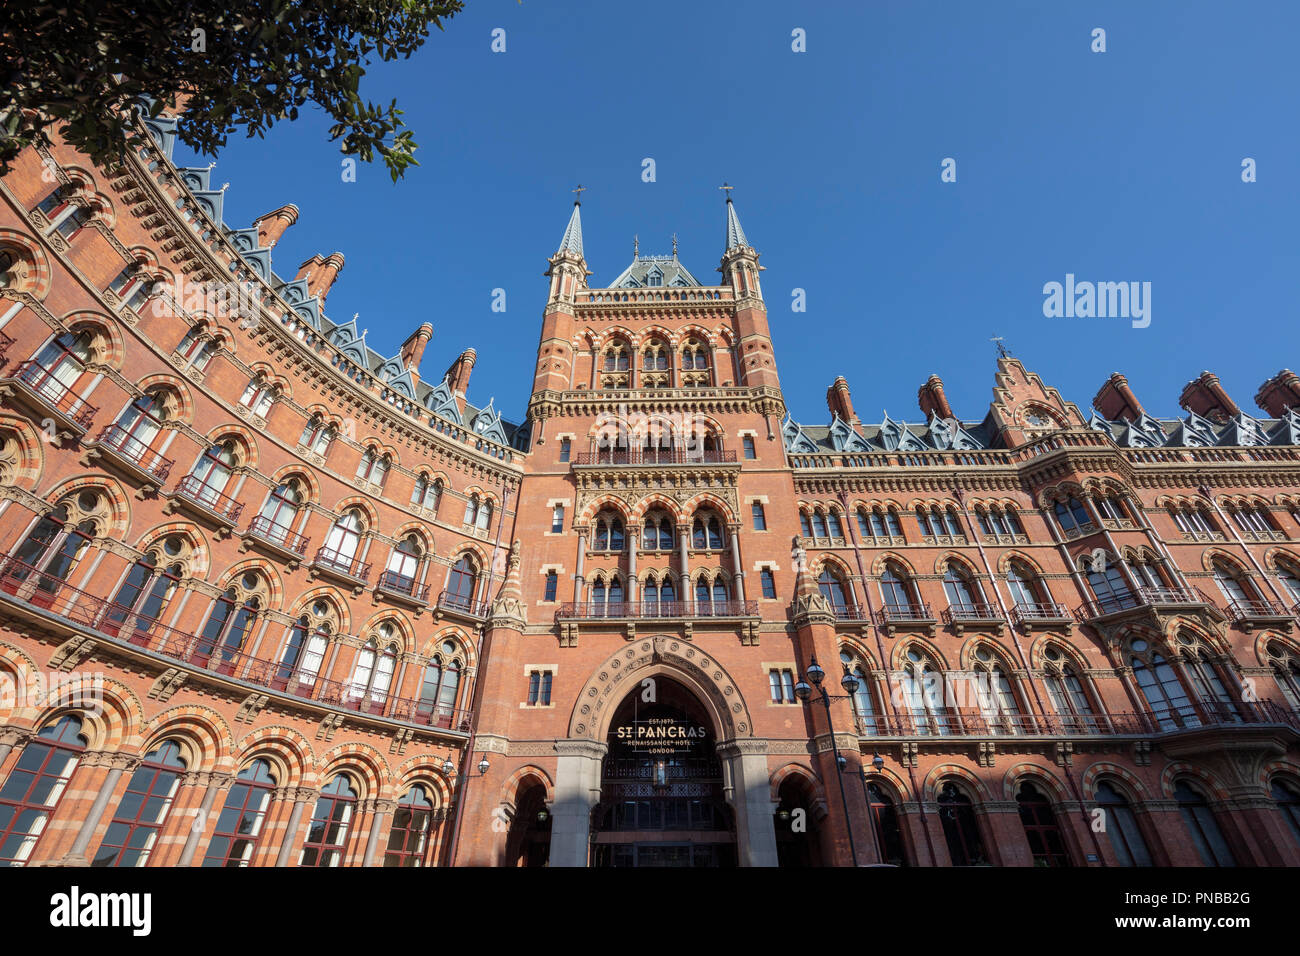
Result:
pixel 1160 687
pixel 1026 589
pixel 440 686
pixel 833 524
pixel 35 785
pixel 993 691
pixel 1284 792
pixel 1122 827
pixel 373 467
pixel 1071 515
pixel 327 836
pixel 280 512
pixel 230 622
pixel 45 559
pixel 657 532
pixel 896 589
pixel 147 588
pixel 304 651
pixel 1066 692
pixel 607 532
pixel 1109 586
pixel 131 285
pixel 56 371
pixel 1041 829
pixel 372 674
pixel 960 828
pixel 197 348
pixel 1235 586
pixel 889 835
pixel 239 827
pixel 819 525
pixel 1250 518
pixel 408 838
pixel 259 395
pixel 655 365
pixel 922 692
pixel 403 570
pixel 832 588
pixel 478 512
pixel 864 707
pixel 343 542
pixel 213 473
pixel 140 424
pixel 142 814
pixel 963 591
pixel 695 363
pixel 1285 663
pixel 462 582
pixel 1203 826
pixel 317 435
pixel 706 532
pixel 615 365
pixel 1289 575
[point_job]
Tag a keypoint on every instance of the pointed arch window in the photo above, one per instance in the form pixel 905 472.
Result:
pixel 923 697
pixel 280 511
pixel 1067 694
pixel 889 835
pixel 1238 590
pixel 1071 515
pixel 331 821
pixel 140 424
pixel 1286 671
pixel 832 588
pixel 427 493
pixel 142 814
pixel 50 552
pixel 408 838
pixel 35 785
pixel 462 582
pixel 197 348
pixel 141 597
pixel 403 570
pixel 1041 828
pixel 259 395
pixel 1110 587
pixel 239 827
pixel 1025 587
pixel 1161 689
pixel 960 828
pixel 1122 827
pixel 213 474
pixel 1203 826
pixel 706 533
pixel 896 590
pixel 1289 575
pixel 317 436
pixel 372 674
pixel 304 652
pixel 373 467
pixel 438 692
pixel 963 592
pixel 229 624
pixel 1285 793
pixel 57 369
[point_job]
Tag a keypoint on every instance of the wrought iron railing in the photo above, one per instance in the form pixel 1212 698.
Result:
pixel 54 393
pixel 267 530
pixel 591 610
pixel 119 441
pixel 1248 610
pixel 895 613
pixel 655 456
pixel 452 601
pixel 971 612
pixel 341 563
pixel 1144 596
pixel 397 583
pixel 206 496
pixel 1024 613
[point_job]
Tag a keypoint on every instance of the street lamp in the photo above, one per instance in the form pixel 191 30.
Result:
pixel 816 674
pixel 484 766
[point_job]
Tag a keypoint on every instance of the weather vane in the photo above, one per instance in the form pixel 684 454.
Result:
pixel 1002 349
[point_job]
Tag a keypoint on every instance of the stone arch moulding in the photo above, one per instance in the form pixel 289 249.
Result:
pixel 672 657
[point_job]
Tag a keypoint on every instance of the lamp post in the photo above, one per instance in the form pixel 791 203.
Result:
pixel 816 674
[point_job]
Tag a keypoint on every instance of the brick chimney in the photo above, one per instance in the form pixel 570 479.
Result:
pixel 458 376
pixel 932 399
pixel 320 273
pixel 840 401
pixel 413 348
pixel 1205 396
pixel 1116 400
pixel 271 226
pixel 1279 393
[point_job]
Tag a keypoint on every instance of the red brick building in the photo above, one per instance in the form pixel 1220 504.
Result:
pixel 271 598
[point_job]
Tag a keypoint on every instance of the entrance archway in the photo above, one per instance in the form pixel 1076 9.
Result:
pixel 529 840
pixel 662 798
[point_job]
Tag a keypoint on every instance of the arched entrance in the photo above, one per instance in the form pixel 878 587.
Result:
pixel 662 800
pixel 798 837
pixel 529 839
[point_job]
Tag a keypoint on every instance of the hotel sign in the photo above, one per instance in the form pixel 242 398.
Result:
pixel 660 735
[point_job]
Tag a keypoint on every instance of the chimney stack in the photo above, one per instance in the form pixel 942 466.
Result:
pixel 321 273
pixel 458 376
pixel 932 399
pixel 1206 397
pixel 840 401
pixel 413 348
pixel 1116 400
pixel 271 226
pixel 1279 393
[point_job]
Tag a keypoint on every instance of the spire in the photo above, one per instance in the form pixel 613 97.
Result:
pixel 572 241
pixel 735 235
pixel 508 608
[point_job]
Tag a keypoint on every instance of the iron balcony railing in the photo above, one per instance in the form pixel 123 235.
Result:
pixel 896 613
pixel 655 456
pixel 54 393
pixel 592 610
pixel 341 563
pixel 461 604
pixel 971 612
pixel 5 342
pixel 1048 611
pixel 1252 610
pixel 122 443
pixel 954 722
pixel 397 583
pixel 206 496
pixel 75 606
pixel 1145 596
pixel 844 612
pixel 275 533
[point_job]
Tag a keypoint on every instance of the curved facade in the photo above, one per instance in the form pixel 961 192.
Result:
pixel 271 598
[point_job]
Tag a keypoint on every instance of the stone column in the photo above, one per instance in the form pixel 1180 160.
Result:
pixel 300 798
pixel 118 764
pixel 633 593
pixel 578 580
pixel 750 795
pixel 217 782
pixel 577 790
pixel 684 567
pixel 737 565
pixel 11 737
pixel 382 810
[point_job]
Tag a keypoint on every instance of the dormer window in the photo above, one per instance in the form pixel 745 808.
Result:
pixel 654 278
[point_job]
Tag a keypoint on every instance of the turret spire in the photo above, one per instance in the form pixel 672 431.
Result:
pixel 735 235
pixel 572 241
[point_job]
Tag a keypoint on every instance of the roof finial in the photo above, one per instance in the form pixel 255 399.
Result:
pixel 728 188
pixel 674 245
pixel 636 246
pixel 1002 349
pixel 579 190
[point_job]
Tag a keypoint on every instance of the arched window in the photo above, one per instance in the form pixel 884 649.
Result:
pixel 213 473
pixel 259 395
pixel 462 583
pixel 657 532
pixel 427 493
pixel 863 705
pixel 327 837
pixel 280 512
pixel 372 674
pixel 706 532
pixel 304 651
pixel 141 597
pixel 1161 688
pixel 993 691
pixel 1041 829
pixel 1071 515
pixel 695 363
pixel 316 437
pixel 805 528
pixel 819 525
pixel 1109 587
pixel 408 838
pixel 1251 518
pixel 196 348
pixel 439 689
pixel 483 515
pixel 1203 826
pixel 1235 586
pixel 963 592
pixel 373 467
pixel 142 814
pixel 229 624
pixel 1122 827
pixel 896 590
pixel 889 836
pixel 832 589
pixel 1066 692
pixel 35 785
pixel 403 571
pixel 53 548
pixel 1289 575
pixel 923 697
pixel 138 427
pixel 960 829
pixel 1286 671
pixel 56 370
pixel 607 532
pixel 1284 792
pixel 833 524
pixel 1026 590
pixel 239 827
pixel 343 541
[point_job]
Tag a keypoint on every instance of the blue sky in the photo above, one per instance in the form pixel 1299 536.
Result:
pixel 1115 166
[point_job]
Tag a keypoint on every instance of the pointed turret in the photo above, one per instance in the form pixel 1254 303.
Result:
pixel 735 235
pixel 508 608
pixel 568 271
pixel 740 271
pixel 572 241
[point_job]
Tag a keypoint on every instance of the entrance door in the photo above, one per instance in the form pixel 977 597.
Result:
pixel 661 787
